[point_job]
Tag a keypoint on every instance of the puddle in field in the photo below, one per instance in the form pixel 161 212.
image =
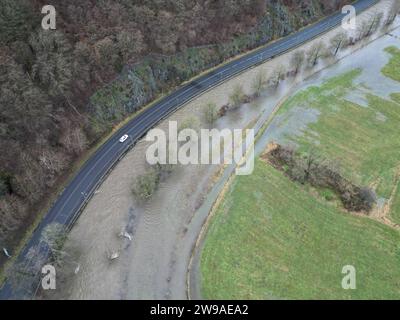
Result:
pixel 370 60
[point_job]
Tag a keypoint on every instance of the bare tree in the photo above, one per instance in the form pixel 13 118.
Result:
pixel 374 23
pixel 297 60
pixel 362 30
pixel 259 83
pixel 367 198
pixel 54 236
pixel 311 163
pixel 130 43
pixel 190 123
pixel 237 96
pixel 393 12
pixel 164 170
pixel 315 53
pixel 210 112
pixel 146 185
pixel 277 76
pixel 370 26
pixel 337 42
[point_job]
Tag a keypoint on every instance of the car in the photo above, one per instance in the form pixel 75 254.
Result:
pixel 123 138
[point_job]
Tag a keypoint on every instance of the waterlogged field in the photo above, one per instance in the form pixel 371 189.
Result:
pixel 392 70
pixel 276 241
pixel 355 128
pixel 273 238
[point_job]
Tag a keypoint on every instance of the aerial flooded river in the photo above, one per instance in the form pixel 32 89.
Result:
pixel 164 231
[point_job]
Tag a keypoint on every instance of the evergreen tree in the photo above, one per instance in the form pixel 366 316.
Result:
pixel 17 19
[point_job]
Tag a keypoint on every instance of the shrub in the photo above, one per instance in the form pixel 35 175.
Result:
pixel 297 60
pixel 277 76
pixel 211 113
pixel 309 168
pixel 237 96
pixel 146 185
pixel 189 123
pixel 259 83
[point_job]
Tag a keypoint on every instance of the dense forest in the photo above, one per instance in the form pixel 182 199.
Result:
pixel 61 90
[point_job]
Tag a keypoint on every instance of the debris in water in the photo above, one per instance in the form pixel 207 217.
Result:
pixel 77 269
pixel 126 235
pixel 113 255
pixel 6 253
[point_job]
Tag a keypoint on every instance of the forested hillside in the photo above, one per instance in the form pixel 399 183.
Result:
pixel 60 91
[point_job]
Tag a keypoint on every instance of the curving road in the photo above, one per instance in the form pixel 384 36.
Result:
pixel 68 206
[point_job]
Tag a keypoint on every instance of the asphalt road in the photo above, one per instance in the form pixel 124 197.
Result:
pixel 69 204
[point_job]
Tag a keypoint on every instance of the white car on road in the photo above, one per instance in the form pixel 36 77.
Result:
pixel 123 138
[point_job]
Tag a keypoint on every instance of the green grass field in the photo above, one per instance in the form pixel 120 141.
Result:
pixel 392 69
pixel 364 141
pixel 279 242
pixel 395 97
pixel 395 209
pixel 273 238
